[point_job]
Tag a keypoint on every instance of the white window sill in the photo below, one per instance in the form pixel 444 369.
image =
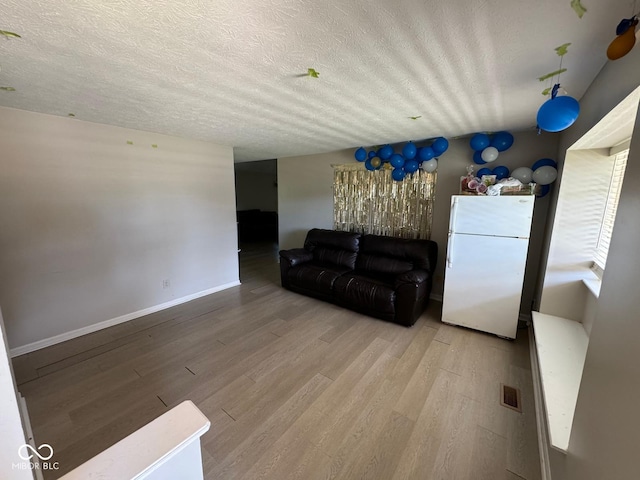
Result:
pixel 593 284
pixel 561 347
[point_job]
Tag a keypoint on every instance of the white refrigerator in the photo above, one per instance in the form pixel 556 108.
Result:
pixel 486 257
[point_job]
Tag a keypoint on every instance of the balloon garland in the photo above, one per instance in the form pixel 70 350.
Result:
pixel 486 148
pixel 543 172
pixel 409 161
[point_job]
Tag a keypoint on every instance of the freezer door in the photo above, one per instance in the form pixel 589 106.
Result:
pixel 483 283
pixel 505 216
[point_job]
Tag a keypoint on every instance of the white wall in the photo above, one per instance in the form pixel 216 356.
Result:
pixel 605 434
pixel 306 196
pixel 91 226
pixel 256 185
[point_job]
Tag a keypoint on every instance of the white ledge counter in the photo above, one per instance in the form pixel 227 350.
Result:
pixel 561 345
pixel 166 448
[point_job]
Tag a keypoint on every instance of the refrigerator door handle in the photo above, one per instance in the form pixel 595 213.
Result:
pixel 453 215
pixel 452 224
pixel 450 250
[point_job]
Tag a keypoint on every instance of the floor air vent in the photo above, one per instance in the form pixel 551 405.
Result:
pixel 510 398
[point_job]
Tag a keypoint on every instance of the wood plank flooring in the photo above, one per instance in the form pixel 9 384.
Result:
pixel 295 388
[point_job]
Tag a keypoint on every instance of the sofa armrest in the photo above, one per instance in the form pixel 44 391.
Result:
pixel 291 258
pixel 413 276
pixel 412 294
pixel 296 256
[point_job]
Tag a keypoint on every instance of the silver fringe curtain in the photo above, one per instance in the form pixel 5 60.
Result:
pixel 372 202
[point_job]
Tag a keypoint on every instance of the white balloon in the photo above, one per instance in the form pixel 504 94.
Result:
pixel 489 154
pixel 524 174
pixel 430 165
pixel 545 175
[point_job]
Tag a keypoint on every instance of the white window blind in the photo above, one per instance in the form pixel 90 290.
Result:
pixel 609 217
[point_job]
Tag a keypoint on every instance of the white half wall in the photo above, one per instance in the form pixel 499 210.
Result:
pixel 305 197
pixel 13 432
pixel 99 222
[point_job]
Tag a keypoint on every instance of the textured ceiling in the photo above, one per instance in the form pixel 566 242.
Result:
pixel 229 71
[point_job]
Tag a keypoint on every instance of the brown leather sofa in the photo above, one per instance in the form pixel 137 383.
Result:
pixel 384 277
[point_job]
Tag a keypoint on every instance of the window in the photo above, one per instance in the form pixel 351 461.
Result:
pixel 609 216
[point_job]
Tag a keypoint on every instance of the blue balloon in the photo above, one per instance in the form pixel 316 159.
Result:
pixel 361 154
pixel 409 151
pixel 425 154
pixel 502 141
pixel 385 152
pixel 500 172
pixel 480 141
pixel 477 158
pixel 368 166
pixel 544 189
pixel 398 174
pixel 411 166
pixel 397 160
pixel 557 114
pixel 544 162
pixel 483 171
pixel 371 154
pixel 440 146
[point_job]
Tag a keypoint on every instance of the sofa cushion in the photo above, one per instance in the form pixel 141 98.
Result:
pixel 331 257
pixel 365 293
pixel 420 254
pixel 310 276
pixel 332 239
pixel 382 264
pixel 331 247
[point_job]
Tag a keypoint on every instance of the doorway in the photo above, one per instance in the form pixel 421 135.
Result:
pixel 257 210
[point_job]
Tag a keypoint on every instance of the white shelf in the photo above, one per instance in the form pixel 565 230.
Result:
pixel 561 345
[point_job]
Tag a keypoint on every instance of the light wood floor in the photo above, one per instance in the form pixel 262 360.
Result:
pixel 294 388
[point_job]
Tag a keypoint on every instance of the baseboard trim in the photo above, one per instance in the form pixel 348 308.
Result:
pixel 63 337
